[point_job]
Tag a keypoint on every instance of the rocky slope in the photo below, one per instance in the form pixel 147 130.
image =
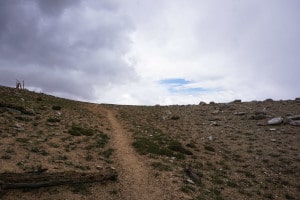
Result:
pixel 237 150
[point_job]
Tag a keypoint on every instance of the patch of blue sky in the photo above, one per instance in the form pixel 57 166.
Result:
pixel 186 90
pixel 174 81
pixel 182 86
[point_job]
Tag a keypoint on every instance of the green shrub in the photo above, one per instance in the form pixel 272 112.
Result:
pixel 53 120
pixel 56 107
pixel 176 146
pixel 77 130
pixel 210 148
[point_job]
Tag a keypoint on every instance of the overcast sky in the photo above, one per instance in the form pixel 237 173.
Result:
pixel 152 51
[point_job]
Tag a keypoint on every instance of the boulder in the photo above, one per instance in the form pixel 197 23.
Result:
pixel 237 101
pixel 275 121
pixel 202 103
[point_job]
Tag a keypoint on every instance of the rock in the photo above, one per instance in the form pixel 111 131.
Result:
pixel 212 103
pixel 52 124
pixel 295 123
pixel 272 129
pixel 297 99
pixel 215 112
pixel 268 100
pixel 210 138
pixel 99 167
pixel 294 117
pixel 239 113
pixel 273 140
pixel 202 103
pixel 168 112
pixel 19 127
pixel 214 124
pixel 237 101
pixel 261 124
pixel 263 112
pixel 190 181
pixel 258 116
pixel 57 113
pixel 175 117
pixel 275 121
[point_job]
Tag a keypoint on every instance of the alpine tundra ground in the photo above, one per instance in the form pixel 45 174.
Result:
pixel 206 151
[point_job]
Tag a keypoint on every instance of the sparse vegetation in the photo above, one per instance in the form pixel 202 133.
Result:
pixel 56 107
pixel 228 153
pixel 77 130
pixel 161 167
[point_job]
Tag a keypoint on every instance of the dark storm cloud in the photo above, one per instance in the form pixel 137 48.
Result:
pixel 69 47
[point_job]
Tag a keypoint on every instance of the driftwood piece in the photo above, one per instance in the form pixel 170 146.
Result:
pixel 37 180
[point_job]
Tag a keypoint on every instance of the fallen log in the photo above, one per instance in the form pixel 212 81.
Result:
pixel 19 108
pixel 46 179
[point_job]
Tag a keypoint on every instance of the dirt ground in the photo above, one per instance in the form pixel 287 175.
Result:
pixel 207 151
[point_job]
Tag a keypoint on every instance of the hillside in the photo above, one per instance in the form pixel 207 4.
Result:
pixel 207 151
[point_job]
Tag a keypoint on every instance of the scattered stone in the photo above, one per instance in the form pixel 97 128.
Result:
pixel 175 117
pixel 294 117
pixel 259 116
pixel 273 140
pixel 268 100
pixel 190 181
pixel 112 168
pixel 202 103
pixel 52 124
pixel 275 121
pixel 58 113
pixel 295 123
pixel 99 167
pixel 212 103
pixel 297 99
pixel 272 129
pixel 19 127
pixel 210 138
pixel 214 124
pixel 168 112
pixel 239 113
pixel 215 112
pixel 237 101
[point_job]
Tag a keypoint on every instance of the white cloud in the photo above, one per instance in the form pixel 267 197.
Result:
pixel 120 51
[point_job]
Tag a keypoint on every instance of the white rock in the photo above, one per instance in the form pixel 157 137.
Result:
pixel 190 181
pixel 275 121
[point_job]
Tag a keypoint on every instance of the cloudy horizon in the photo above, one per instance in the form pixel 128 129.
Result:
pixel 152 52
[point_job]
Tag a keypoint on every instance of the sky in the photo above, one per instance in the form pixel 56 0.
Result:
pixel 152 51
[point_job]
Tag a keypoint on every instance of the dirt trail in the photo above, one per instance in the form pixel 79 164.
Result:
pixel 134 176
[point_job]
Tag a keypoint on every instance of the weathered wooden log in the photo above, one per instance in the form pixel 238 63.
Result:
pixel 37 180
pixel 19 108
